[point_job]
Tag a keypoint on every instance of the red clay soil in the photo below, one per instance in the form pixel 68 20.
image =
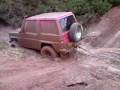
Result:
pixel 22 69
pixel 107 31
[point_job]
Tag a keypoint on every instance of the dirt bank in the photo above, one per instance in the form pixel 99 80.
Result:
pixel 107 32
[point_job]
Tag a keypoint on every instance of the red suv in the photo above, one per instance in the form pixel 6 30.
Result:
pixel 53 33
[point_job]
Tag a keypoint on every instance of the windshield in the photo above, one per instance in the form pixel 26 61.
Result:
pixel 67 22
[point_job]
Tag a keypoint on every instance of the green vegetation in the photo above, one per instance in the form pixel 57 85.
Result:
pixel 3 46
pixel 13 11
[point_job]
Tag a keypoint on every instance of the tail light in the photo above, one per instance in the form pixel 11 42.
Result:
pixel 65 37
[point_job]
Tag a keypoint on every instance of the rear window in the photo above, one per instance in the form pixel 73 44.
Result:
pixel 67 22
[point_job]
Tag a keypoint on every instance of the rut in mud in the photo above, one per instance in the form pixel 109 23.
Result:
pixel 96 69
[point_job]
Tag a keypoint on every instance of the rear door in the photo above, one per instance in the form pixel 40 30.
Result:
pixel 65 24
pixel 29 35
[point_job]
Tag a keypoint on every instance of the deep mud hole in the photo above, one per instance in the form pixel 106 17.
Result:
pixel 98 68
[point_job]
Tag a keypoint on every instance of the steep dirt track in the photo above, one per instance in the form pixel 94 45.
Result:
pixel 36 73
pixel 23 69
pixel 107 31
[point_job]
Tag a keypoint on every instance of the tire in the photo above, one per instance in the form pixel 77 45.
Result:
pixel 75 33
pixel 14 44
pixel 48 52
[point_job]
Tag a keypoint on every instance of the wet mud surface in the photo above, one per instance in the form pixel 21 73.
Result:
pixel 98 68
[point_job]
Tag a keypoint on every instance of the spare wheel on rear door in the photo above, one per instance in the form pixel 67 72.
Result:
pixel 75 33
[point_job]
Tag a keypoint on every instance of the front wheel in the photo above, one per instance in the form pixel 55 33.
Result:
pixel 14 44
pixel 48 51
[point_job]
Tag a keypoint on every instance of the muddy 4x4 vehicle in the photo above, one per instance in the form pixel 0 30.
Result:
pixel 52 33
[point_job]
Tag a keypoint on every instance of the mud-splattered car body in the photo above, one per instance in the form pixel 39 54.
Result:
pixel 48 29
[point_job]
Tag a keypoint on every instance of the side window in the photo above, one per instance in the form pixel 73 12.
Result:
pixel 49 27
pixel 30 27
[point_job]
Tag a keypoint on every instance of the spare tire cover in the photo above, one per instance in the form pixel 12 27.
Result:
pixel 75 33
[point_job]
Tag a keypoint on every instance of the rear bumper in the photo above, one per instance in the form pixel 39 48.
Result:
pixel 67 48
pixel 64 48
pixel 66 51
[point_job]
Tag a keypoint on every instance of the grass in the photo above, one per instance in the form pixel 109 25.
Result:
pixel 3 46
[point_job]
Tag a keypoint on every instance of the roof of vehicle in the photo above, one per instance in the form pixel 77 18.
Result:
pixel 50 16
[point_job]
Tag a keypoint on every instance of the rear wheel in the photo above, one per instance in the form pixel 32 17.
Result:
pixel 48 51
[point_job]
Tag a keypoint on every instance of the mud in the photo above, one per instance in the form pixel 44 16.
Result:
pixel 95 67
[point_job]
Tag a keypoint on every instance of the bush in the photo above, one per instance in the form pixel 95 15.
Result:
pixel 13 11
pixel 114 2
pixel 101 6
pixel 87 9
